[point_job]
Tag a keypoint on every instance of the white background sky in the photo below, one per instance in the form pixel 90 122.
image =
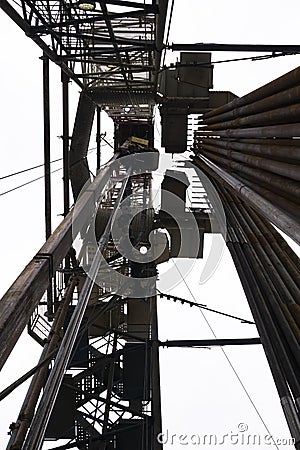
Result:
pixel 200 393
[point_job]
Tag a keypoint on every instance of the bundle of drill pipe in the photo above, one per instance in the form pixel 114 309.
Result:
pixel 250 149
pixel 253 144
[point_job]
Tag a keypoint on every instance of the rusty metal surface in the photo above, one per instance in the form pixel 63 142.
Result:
pixel 280 152
pixel 256 138
pixel 291 171
pixel 269 211
pixel 22 297
pixel 284 82
pixel 268 289
pixel 271 131
pixel 287 114
pixel 282 202
pixel 281 185
pixel 287 97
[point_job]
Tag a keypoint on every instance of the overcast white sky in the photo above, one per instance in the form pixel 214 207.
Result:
pixel 200 393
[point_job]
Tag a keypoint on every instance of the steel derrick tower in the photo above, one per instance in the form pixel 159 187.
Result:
pixel 93 308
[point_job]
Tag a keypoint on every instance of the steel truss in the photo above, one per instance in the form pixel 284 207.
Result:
pixel 93 337
pixel 116 47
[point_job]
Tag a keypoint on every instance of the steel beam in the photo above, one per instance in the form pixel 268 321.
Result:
pixel 201 47
pixel 113 40
pixel 47 159
pixel 210 342
pixel 47 165
pixel 155 377
pixel 160 26
pixel 98 138
pixel 66 176
pixel 22 297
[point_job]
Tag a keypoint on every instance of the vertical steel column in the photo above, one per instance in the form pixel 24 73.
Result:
pixel 98 138
pixel 66 162
pixel 46 105
pixel 47 163
pixel 155 375
pixel 66 176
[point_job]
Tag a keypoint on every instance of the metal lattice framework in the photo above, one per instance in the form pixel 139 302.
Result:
pixel 249 149
pixel 114 49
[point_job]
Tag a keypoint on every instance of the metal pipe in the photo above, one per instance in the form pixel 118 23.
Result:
pixel 282 186
pixel 290 357
pixel 287 97
pixel 277 150
pixel 268 275
pixel 284 245
pixel 284 82
pixel 277 200
pixel 291 310
pixel 37 431
pixel 241 261
pixel 291 171
pixel 271 131
pixel 243 270
pixel 288 225
pixel 289 292
pixel 254 297
pixel 287 114
pixel 275 241
pixel 275 140
pixel 264 297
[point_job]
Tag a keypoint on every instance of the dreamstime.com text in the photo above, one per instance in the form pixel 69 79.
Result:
pixel 235 438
